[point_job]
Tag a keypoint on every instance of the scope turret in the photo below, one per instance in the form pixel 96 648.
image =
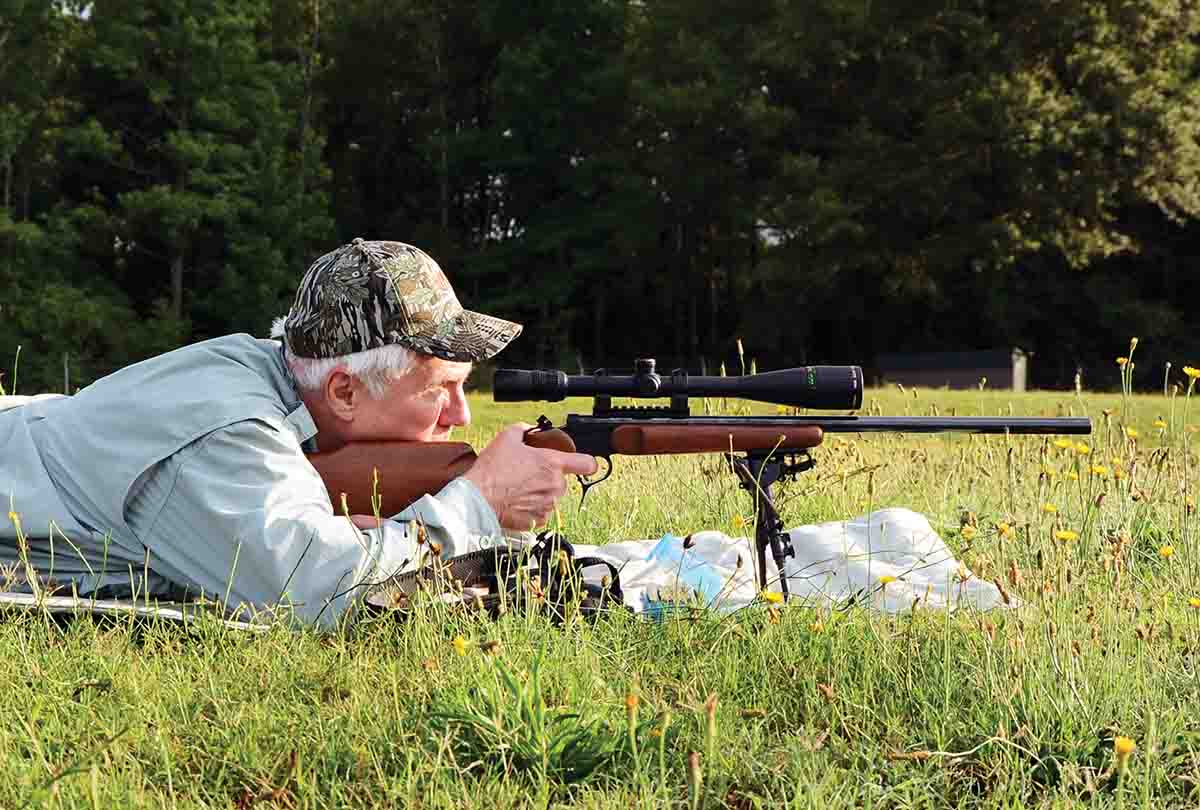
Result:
pixel 820 387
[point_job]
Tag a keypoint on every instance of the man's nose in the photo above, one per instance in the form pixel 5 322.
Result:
pixel 457 412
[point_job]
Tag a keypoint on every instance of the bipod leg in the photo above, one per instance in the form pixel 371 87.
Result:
pixel 770 531
pixel 756 474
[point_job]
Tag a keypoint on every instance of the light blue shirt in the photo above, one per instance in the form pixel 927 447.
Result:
pixel 189 469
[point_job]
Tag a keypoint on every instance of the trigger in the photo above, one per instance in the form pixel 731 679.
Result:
pixel 587 483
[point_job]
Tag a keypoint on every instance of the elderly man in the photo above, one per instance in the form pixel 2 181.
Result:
pixel 189 470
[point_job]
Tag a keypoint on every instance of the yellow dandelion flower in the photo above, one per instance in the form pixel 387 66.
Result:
pixel 1194 602
pixel 1003 529
pixel 1082 449
pixel 816 627
pixel 1131 432
pixel 1064 444
pixel 967 532
pixel 1123 746
pixel 1049 508
pixel 1160 424
pixel 739 522
pixel 1099 469
pixel 460 645
pixel 1192 372
pixel 887 579
pixel 1066 535
pixel 773 597
pixel 1122 361
pixel 1072 475
pixel 1166 552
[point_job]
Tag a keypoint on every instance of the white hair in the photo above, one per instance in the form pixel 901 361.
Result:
pixel 374 368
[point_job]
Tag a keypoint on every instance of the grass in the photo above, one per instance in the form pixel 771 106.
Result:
pixel 807 708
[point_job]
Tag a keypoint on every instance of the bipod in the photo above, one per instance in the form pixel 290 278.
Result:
pixel 757 471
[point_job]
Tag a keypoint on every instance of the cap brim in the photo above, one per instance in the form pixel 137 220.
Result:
pixel 468 338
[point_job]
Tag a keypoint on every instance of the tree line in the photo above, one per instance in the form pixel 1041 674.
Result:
pixel 824 180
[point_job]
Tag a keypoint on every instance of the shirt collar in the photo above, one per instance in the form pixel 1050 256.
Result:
pixel 298 418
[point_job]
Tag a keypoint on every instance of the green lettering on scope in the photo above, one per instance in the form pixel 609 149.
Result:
pixel 812 377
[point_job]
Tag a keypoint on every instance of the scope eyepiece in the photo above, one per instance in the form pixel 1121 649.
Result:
pixel 819 387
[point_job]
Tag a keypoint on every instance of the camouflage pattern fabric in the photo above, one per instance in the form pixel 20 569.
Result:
pixel 370 294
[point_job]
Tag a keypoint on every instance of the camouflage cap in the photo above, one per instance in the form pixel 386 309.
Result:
pixel 370 294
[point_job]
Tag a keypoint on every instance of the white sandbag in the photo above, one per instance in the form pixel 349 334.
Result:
pixel 835 562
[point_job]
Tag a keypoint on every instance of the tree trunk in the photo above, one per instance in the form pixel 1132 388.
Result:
pixel 443 88
pixel 599 305
pixel 714 308
pixel 308 61
pixel 177 286
pixel 543 329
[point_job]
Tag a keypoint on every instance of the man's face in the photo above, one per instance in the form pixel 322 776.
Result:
pixel 423 405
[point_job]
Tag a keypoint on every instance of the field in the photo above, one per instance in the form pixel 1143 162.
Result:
pixel 1081 697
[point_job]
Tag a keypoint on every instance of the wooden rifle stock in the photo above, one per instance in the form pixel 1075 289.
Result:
pixel 409 470
pixel 658 440
pixel 654 440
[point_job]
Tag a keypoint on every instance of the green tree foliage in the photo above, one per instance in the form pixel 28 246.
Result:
pixel 940 146
pixel 182 116
pixel 826 179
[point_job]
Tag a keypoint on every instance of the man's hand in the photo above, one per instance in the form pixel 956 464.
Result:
pixel 523 483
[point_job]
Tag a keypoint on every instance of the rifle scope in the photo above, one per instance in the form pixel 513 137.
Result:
pixel 824 387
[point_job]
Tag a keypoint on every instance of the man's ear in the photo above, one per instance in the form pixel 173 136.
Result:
pixel 343 393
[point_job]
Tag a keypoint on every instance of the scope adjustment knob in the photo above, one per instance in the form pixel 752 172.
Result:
pixel 645 380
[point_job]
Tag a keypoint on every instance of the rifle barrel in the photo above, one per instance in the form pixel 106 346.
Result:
pixel 1061 425
pixel 1071 425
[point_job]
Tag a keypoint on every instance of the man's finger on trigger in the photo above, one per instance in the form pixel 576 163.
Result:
pixel 577 463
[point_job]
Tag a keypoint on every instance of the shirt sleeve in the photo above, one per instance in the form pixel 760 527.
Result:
pixel 247 520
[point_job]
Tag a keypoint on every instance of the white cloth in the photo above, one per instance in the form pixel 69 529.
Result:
pixel 835 562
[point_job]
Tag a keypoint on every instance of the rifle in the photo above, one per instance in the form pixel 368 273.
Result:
pixel 762 450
